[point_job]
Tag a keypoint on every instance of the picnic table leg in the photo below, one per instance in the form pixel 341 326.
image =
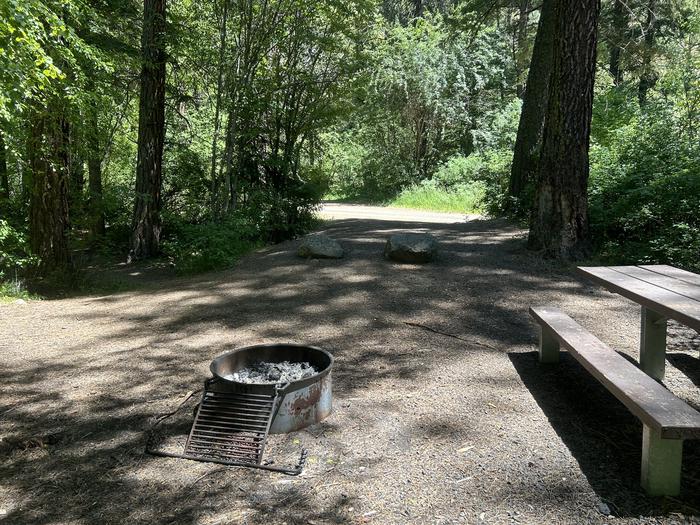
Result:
pixel 549 347
pixel 661 463
pixel 652 355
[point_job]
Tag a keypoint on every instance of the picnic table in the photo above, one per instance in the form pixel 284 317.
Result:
pixel 664 292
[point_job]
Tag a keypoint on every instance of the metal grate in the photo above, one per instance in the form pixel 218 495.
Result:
pixel 231 427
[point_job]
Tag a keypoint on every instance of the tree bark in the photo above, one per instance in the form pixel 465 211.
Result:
pixel 146 222
pixel 649 77
pixel 48 202
pixel 559 223
pixel 4 178
pixel 528 141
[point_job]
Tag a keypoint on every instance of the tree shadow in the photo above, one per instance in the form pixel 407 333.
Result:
pixel 603 436
pixel 97 391
pixel 688 364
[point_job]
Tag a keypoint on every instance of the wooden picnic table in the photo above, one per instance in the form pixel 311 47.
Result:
pixel 664 292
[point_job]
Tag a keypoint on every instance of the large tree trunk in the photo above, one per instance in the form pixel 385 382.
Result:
pixel 4 179
pixel 559 222
pixel 48 202
pixel 532 116
pixel 146 223
pixel 649 77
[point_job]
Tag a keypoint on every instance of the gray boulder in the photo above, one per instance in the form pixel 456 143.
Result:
pixel 411 248
pixel 320 246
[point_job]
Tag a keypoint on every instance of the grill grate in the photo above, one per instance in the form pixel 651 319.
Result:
pixel 231 427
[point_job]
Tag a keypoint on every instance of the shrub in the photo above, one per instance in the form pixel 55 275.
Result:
pixel 465 198
pixel 645 194
pixel 14 251
pixel 197 248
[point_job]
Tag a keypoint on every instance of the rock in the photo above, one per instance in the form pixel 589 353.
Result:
pixel 604 509
pixel 20 301
pixel 320 246
pixel 411 248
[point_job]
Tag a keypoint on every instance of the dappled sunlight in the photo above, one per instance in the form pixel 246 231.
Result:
pixel 98 370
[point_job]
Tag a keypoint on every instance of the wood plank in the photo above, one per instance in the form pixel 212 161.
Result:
pixel 642 395
pixel 671 284
pixel 676 273
pixel 662 301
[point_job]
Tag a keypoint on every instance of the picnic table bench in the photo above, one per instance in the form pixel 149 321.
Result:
pixel 664 293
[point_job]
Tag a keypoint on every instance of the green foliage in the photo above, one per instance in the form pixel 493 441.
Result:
pixel 265 217
pixel 14 289
pixel 466 198
pixel 195 248
pixel 14 251
pixel 430 94
pixel 645 192
pixel 358 99
pixel 282 215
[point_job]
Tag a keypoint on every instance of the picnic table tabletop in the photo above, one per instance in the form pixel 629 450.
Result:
pixel 669 291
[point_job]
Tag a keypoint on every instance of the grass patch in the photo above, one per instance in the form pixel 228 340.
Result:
pixel 467 199
pixel 10 291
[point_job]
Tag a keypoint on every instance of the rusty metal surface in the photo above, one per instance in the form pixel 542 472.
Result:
pixel 302 403
pixel 304 407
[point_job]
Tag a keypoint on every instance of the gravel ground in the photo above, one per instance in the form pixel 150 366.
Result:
pixel 426 428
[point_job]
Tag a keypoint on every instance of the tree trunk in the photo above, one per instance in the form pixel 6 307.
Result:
pixel 95 206
pixel 146 223
pixel 619 29
pixel 521 47
pixel 532 116
pixel 559 222
pixel 649 77
pixel 229 146
pixel 48 202
pixel 4 179
pixel 217 111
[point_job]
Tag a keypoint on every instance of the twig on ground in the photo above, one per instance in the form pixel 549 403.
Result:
pixel 200 478
pixel 161 417
pixel 429 329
